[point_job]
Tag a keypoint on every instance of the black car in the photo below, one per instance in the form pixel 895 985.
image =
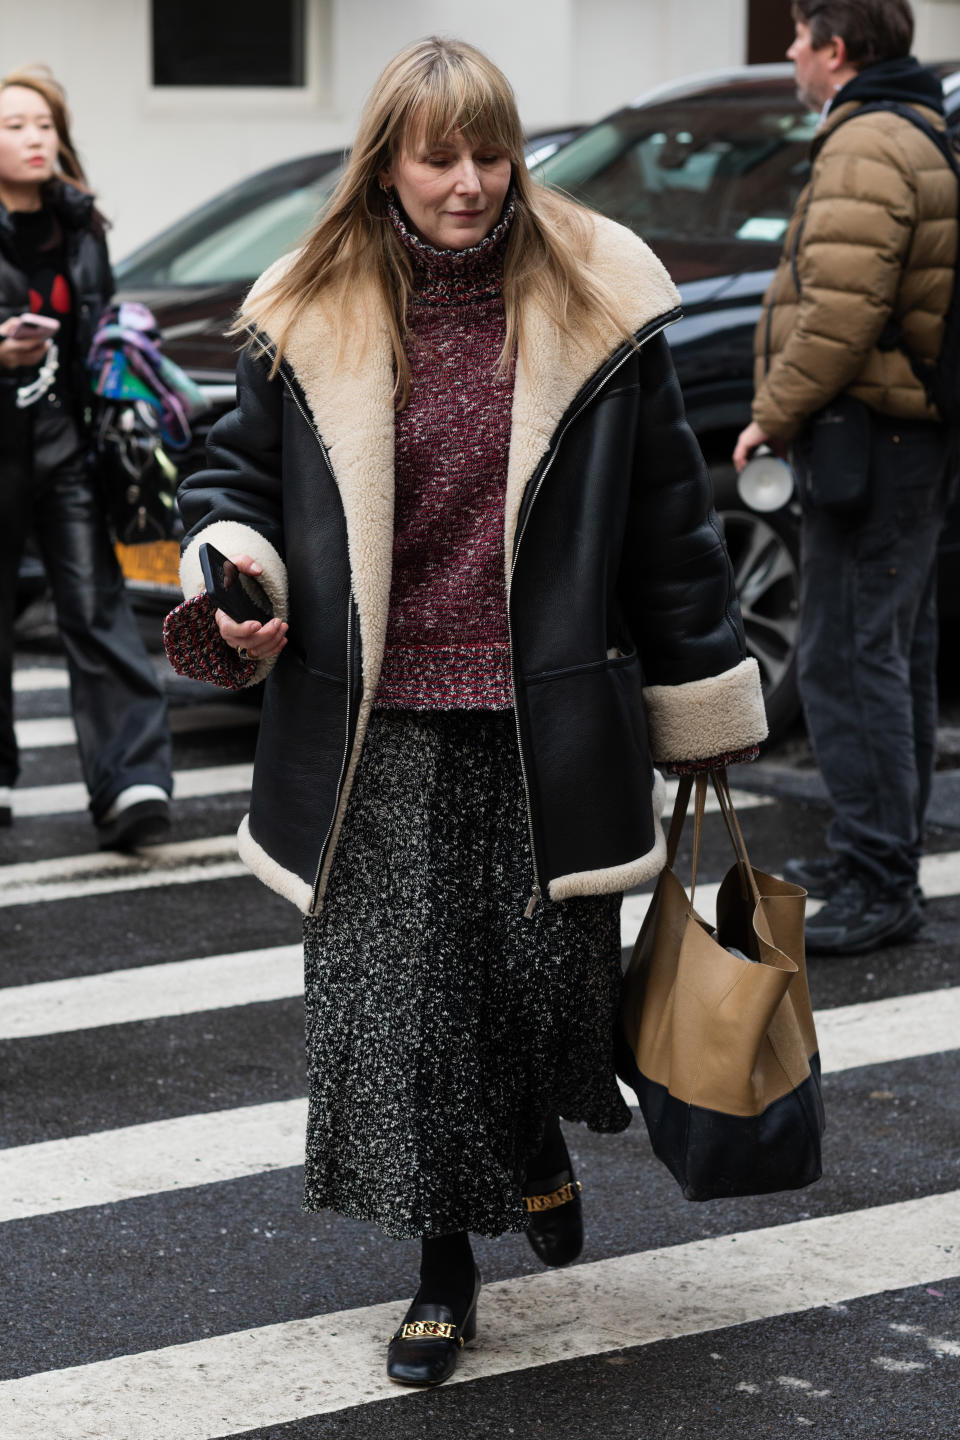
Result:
pixel 707 172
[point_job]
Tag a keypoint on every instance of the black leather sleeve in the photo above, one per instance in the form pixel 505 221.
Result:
pixel 676 583
pixel 243 478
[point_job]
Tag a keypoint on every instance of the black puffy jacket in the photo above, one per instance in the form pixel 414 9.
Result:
pixel 627 644
pixel 91 280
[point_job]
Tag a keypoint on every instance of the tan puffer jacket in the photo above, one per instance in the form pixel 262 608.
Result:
pixel 873 237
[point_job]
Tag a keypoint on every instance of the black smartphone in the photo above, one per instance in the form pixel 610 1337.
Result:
pixel 237 595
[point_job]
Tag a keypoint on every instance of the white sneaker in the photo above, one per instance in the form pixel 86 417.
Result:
pixel 140 814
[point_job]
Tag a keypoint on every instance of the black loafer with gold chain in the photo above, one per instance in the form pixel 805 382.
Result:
pixel 555 1219
pixel 425 1349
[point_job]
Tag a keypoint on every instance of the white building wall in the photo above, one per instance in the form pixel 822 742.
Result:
pixel 153 154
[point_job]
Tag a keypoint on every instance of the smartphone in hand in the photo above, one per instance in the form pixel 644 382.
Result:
pixel 236 594
pixel 33 327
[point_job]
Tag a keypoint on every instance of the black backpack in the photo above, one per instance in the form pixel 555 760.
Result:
pixel 940 380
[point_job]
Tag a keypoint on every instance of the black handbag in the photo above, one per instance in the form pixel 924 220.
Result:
pixel 138 480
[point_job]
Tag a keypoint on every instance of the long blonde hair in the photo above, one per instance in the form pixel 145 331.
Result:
pixel 430 89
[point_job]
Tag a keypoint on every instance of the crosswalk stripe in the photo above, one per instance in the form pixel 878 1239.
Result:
pixel 869 1033
pixel 285 1372
pixel 31 801
pixel 113 1165
pixel 150 992
pixel 939 876
pixel 121 884
pixel 50 732
pixel 104 872
pixel 39 677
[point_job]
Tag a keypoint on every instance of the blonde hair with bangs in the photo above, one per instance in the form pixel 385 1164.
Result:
pixel 429 90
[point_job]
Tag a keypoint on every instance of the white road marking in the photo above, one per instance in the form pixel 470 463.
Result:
pixel 121 997
pixel 107 871
pixel 39 677
pixel 285 1372
pixel 31 801
pixel 45 734
pixel 113 1165
pixel 742 799
pixel 121 1164
pixel 939 876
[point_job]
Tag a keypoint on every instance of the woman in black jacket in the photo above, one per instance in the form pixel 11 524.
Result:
pixel 460 470
pixel 54 264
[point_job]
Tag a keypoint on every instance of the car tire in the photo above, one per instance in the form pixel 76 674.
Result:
pixel 765 554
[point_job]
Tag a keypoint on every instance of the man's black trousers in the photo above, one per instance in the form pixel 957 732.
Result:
pixel 868 649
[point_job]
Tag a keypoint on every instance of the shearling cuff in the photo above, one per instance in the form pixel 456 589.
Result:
pixel 706 718
pixel 231 538
pixel 196 648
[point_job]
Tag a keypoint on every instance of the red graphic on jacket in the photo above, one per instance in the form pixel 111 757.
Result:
pixel 56 301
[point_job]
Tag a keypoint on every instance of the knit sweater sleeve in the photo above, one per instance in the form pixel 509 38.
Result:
pixel 196 649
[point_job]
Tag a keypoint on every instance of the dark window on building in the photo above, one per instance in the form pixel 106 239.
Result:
pixel 770 30
pixel 228 42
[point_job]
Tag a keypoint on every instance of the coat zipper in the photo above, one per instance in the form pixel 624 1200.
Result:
pixel 536 893
pixel 346 745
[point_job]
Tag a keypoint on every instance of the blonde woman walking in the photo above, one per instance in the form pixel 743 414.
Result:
pixel 460 469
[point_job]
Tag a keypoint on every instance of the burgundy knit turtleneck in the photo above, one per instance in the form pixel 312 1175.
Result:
pixel 448 645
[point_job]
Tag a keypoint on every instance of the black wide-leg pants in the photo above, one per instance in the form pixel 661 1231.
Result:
pixel 118 706
pixel 868 649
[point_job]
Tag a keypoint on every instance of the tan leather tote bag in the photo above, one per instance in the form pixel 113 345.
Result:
pixel 721 1048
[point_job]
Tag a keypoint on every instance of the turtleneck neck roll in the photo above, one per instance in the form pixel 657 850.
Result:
pixel 455 277
pixel 448 643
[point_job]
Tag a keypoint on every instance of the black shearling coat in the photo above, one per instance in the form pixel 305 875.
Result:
pixel 627 644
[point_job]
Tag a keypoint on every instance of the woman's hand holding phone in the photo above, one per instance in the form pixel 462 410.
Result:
pixel 23 343
pixel 260 642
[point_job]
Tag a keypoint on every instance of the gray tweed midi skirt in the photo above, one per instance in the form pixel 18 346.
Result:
pixel 443 1027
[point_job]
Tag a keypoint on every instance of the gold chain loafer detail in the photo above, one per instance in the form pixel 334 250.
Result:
pixel 425 1349
pixel 536 1203
pixel 429 1330
pixel 555 1219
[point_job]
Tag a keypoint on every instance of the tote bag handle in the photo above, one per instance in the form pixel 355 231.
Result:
pixel 721 785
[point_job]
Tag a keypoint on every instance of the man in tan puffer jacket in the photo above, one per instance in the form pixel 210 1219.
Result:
pixel 863 285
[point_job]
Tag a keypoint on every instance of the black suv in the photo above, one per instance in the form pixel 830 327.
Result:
pixel 707 172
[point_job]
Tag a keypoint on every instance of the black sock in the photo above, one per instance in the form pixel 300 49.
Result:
pixel 446 1273
pixel 552 1158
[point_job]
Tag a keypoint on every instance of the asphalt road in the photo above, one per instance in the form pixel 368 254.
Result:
pixel 160 1281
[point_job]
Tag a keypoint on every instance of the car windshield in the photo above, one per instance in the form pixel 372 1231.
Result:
pixel 236 236
pixel 705 171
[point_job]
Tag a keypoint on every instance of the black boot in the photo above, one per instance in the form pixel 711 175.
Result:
pixel 861 916
pixel 443 1315
pixel 552 1199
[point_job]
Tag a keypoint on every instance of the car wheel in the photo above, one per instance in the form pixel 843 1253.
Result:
pixel 764 551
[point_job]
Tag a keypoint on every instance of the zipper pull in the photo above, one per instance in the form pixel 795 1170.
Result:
pixel 535 898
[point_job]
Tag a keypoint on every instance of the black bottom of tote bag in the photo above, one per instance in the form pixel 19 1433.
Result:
pixel 715 1157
